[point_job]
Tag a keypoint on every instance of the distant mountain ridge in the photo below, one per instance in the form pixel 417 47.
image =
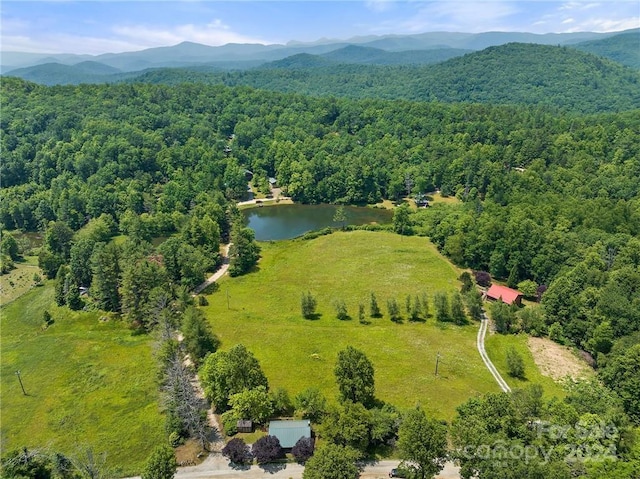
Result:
pixel 189 54
pixel 562 77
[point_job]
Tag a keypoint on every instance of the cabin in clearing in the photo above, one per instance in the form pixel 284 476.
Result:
pixel 504 294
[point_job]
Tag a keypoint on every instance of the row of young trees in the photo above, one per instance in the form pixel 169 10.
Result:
pixel 452 307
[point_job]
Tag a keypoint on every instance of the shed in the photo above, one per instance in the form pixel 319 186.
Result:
pixel 504 294
pixel 244 425
pixel 273 182
pixel 289 432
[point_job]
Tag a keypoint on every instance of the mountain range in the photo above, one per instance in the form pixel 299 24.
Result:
pixel 591 76
pixel 242 56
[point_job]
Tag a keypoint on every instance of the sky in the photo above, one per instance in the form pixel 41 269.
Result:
pixel 95 27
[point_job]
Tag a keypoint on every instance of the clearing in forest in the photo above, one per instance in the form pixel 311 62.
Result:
pixel 262 310
pixel 557 361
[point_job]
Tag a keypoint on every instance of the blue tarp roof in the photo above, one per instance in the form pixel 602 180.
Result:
pixel 288 432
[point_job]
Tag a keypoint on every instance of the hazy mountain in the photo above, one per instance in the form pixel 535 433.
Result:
pixel 376 56
pixel 623 48
pixel 189 54
pixel 299 61
pixel 58 74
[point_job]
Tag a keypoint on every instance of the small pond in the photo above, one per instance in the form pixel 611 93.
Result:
pixel 288 221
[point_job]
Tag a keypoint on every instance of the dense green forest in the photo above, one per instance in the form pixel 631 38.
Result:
pixel 548 197
pixel 516 73
pixel 623 48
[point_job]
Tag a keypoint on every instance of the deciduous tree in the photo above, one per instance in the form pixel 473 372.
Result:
pixel 355 376
pixel 224 373
pixel 161 464
pixel 422 444
pixel 332 462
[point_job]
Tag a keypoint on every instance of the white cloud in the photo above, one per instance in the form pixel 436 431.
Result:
pixel 592 17
pixel 214 33
pixel 379 5
pixel 463 16
pixel 19 36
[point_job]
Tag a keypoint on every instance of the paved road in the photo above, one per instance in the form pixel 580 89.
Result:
pixel 217 467
pixel 480 343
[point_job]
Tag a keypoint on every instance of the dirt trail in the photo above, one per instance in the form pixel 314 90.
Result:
pixel 218 274
pixel 485 358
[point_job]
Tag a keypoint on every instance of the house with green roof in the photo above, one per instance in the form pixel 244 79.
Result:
pixel 289 432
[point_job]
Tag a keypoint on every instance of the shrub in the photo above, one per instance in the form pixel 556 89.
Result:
pixel 394 310
pixel 467 282
pixel 282 405
pixel 311 404
pixel 237 451
pixel 482 278
pixel 308 305
pixel 528 288
pixel 556 333
pixel 374 309
pixel 303 449
pixel 267 449
pixel 341 310
pixel 230 422
pixel 515 363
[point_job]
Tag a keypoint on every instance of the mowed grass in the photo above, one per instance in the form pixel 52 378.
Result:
pixel 497 345
pixel 88 383
pixel 262 311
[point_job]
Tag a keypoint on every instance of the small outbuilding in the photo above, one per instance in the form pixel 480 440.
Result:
pixel 244 425
pixel 504 294
pixel 289 432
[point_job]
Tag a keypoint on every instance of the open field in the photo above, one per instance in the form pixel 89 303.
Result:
pixel 88 383
pixel 296 353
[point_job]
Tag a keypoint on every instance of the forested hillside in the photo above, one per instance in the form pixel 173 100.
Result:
pixel 623 48
pixel 510 74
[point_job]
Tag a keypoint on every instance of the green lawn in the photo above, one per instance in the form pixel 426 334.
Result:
pixel 296 353
pixel 89 383
pixel 497 346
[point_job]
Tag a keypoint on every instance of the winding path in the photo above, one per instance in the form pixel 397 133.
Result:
pixel 218 274
pixel 485 358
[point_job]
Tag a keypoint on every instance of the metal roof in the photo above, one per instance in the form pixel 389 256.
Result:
pixel 507 295
pixel 288 432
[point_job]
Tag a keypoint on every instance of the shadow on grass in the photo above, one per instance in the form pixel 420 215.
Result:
pixel 417 320
pixel 313 317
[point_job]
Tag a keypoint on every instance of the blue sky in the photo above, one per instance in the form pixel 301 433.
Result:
pixel 96 27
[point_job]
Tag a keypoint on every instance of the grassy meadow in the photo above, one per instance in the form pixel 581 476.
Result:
pixel 497 345
pixel 88 383
pixel 262 311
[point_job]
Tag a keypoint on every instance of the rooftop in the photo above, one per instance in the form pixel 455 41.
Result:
pixel 507 295
pixel 288 432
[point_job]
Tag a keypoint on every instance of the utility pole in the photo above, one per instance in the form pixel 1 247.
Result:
pixel 21 385
pixel 437 362
pixel 228 306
